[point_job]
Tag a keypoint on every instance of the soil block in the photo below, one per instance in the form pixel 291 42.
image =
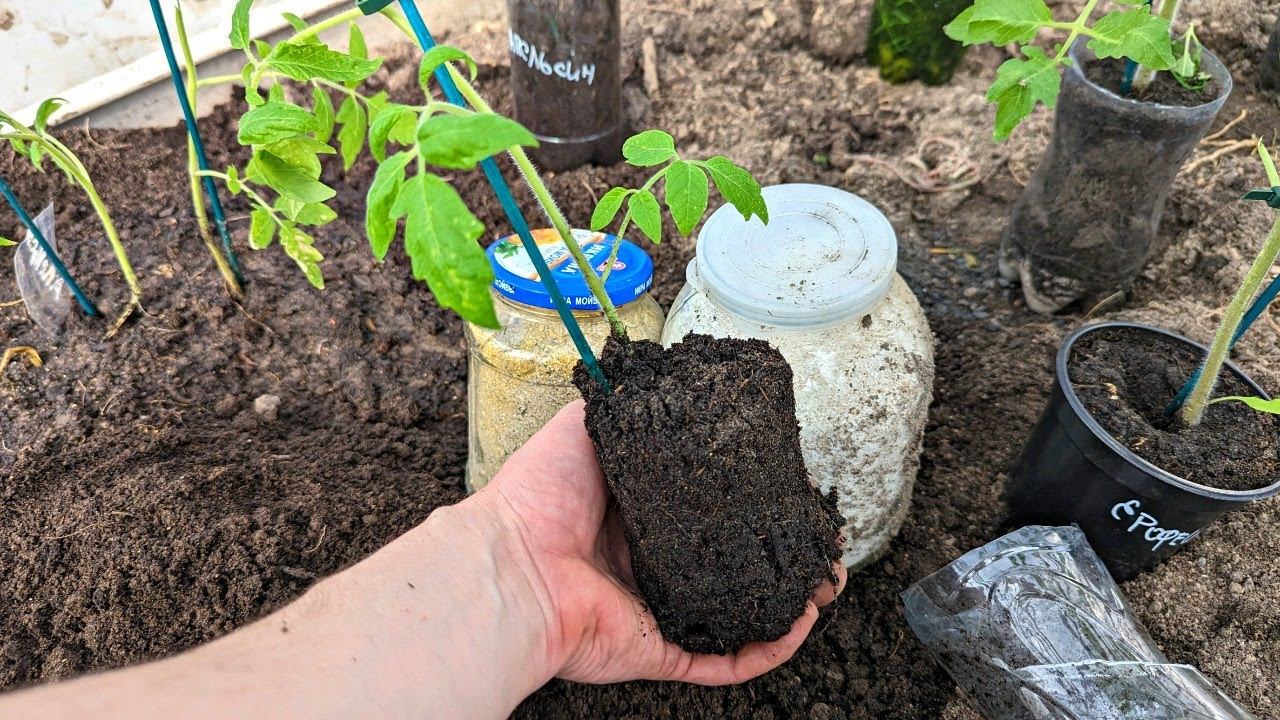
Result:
pixel 1127 378
pixel 701 448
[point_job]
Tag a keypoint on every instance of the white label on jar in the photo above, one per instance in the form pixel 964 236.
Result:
pixel 536 59
pixel 1149 526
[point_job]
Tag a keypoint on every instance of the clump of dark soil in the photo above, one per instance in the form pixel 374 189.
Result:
pixel 701 448
pixel 1108 73
pixel 1126 379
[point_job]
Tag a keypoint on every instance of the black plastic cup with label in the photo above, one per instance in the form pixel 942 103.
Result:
pixel 1134 514
pixel 565 76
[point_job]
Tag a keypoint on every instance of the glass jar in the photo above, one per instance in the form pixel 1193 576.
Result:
pixel 819 284
pixel 520 376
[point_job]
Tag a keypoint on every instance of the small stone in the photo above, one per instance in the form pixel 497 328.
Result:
pixel 971 292
pixel 225 407
pixel 1236 588
pixel 267 406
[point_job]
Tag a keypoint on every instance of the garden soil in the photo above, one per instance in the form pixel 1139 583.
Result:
pixel 1125 378
pixel 148 507
pixel 720 410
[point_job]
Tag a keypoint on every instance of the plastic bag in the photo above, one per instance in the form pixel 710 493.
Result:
pixel 1031 625
pixel 43 291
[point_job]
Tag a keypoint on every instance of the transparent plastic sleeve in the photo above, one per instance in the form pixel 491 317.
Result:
pixel 1031 625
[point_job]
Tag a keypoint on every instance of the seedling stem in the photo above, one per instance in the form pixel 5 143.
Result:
pixel 1193 411
pixel 1145 76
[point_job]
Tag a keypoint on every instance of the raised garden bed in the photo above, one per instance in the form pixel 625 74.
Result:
pixel 149 507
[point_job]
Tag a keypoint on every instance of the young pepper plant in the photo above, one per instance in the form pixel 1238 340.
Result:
pixel 1035 78
pixel 36 143
pixel 1193 411
pixel 685 190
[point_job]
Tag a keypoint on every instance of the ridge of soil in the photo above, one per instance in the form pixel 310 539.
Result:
pixel 371 369
pixel 1126 378
pixel 700 445
pixel 1108 73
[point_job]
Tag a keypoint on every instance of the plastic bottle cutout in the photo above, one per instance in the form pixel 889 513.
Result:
pixel 43 292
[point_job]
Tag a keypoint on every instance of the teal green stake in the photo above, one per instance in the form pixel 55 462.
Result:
pixel 193 131
pixel 85 303
pixel 503 192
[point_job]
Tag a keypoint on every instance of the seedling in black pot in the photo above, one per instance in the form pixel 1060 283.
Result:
pixel 1109 456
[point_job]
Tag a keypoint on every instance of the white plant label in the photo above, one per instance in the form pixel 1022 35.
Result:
pixel 43 291
pixel 537 59
pixel 1149 526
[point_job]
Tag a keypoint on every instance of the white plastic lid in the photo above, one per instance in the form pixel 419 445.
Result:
pixel 826 255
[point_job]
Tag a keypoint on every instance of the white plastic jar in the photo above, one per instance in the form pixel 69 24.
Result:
pixel 819 284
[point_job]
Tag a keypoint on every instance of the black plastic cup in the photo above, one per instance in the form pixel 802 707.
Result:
pixel 1134 514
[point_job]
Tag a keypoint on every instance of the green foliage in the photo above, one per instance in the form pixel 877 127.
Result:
pixel 1187 68
pixel 6 242
pixel 686 187
pixel 1022 84
pixel 1257 403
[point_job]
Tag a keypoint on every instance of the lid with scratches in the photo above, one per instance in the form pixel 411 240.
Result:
pixel 826 256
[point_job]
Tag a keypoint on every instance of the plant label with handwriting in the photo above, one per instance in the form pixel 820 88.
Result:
pixel 43 292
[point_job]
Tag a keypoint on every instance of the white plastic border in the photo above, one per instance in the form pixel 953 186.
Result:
pixel 152 68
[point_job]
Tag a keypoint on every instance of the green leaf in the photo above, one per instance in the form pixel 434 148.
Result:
pixel 437 56
pixel 1135 34
pixel 308 62
pixel 300 246
pixel 379 224
pixel 322 108
pixel 356 46
pixel 651 147
pixel 1257 403
pixel 458 142
pixel 376 102
pixel 6 242
pixel 646 214
pixel 47 108
pixel 607 208
pixel 290 181
pixel 298 24
pixel 251 94
pixel 274 121
pixel 300 151
pixel 738 187
pixel 275 93
pixel 959 30
pixel 440 239
pixel 1019 84
pixel 262 228
pixel 351 136
pixel 239 37
pixel 233 180
pixel 315 214
pixel 395 122
pixel 686 194
pixel 1000 22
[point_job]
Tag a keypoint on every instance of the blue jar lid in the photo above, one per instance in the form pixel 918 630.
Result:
pixel 516 279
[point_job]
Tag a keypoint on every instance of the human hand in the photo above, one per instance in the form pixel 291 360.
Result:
pixel 552 497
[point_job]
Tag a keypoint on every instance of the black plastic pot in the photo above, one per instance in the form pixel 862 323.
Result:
pixel 1134 514
pixel 565 75
pixel 1083 227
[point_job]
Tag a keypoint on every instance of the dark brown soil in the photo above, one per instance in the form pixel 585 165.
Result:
pixel 1126 379
pixel 1163 90
pixel 731 78
pixel 701 448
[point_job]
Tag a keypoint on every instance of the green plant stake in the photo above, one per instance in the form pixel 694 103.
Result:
pixel 1193 411
pixel 36 143
pixel 906 40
